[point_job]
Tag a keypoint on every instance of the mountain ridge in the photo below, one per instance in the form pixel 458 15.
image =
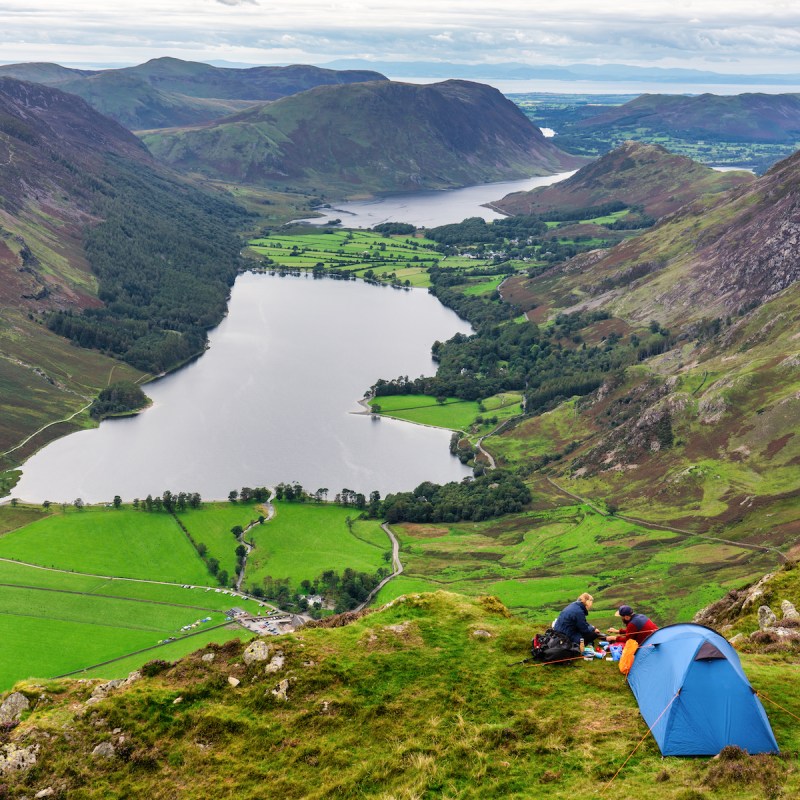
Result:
pixel 356 139
pixel 165 92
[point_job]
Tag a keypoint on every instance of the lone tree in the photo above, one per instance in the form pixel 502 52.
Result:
pixel 117 501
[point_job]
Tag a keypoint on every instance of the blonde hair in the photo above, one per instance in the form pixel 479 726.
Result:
pixel 586 598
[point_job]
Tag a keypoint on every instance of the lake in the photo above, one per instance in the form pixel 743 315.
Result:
pixel 428 209
pixel 273 399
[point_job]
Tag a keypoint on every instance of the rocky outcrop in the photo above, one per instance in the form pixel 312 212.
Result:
pixel 17 759
pixel 12 707
pixel 788 610
pixel 766 618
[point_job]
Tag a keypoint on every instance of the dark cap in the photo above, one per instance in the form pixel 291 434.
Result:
pixel 624 611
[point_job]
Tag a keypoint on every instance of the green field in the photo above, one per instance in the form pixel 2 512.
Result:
pixel 166 652
pixel 211 525
pixel 455 414
pixel 397 259
pixel 305 539
pixel 107 541
pixel 476 288
pixel 64 615
pixel 53 623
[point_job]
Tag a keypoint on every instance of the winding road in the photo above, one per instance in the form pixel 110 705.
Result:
pixel 397 566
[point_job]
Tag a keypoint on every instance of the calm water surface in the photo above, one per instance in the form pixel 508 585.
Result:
pixel 428 209
pixel 271 400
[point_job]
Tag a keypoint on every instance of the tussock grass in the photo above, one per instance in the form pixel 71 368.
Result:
pixel 440 714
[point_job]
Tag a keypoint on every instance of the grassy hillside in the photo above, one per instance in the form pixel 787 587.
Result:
pixel 636 174
pixel 417 700
pixel 100 244
pixel 359 139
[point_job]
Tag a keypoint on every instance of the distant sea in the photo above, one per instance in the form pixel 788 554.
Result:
pixel 620 87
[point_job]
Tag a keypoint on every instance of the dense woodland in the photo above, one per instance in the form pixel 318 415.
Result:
pixel 549 364
pixel 475 499
pixel 165 257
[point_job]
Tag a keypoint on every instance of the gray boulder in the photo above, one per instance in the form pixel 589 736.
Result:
pixel 104 750
pixel 788 610
pixel 256 651
pixel 17 759
pixel 766 618
pixel 13 706
pixel 275 664
pixel 281 691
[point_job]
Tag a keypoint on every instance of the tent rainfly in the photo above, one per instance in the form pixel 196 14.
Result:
pixel 693 693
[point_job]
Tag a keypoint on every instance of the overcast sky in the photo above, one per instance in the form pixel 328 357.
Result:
pixel 721 35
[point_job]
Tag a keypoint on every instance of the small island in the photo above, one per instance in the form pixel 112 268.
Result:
pixel 119 400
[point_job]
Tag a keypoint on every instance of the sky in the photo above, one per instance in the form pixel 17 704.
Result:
pixel 729 36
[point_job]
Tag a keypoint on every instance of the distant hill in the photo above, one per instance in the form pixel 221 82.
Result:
pixel 359 139
pixel 569 72
pixel 98 241
pixel 715 256
pixel 752 131
pixel 638 174
pixel 166 92
pixel 742 117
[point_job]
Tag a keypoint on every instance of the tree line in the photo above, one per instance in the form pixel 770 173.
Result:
pixel 165 257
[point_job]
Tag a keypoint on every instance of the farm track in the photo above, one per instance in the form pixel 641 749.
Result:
pixel 45 427
pixel 250 545
pixel 104 577
pixel 396 565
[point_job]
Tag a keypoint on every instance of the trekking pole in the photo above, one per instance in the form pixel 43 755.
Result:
pixel 524 661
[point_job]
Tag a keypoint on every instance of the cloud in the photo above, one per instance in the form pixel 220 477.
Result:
pixel 691 33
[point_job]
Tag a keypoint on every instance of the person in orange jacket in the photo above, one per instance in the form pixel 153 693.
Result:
pixel 637 626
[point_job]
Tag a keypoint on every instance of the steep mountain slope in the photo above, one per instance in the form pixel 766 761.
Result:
pixel 713 257
pixel 369 137
pixel 636 174
pixel 100 242
pixel 166 92
pixel 415 700
pixel 700 427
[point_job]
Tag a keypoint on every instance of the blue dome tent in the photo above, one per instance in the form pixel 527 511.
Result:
pixel 693 693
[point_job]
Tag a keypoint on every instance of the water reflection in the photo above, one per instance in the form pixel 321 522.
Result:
pixel 272 400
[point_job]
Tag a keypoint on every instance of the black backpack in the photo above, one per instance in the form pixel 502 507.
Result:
pixel 553 646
